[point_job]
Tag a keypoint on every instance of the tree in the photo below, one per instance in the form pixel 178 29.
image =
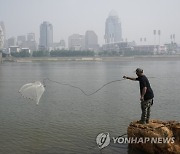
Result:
pixel 40 53
pixel 21 54
pixel 71 53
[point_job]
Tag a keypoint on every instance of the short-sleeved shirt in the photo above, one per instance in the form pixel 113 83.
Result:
pixel 144 82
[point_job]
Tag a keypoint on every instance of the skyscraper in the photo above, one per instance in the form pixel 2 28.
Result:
pixel 2 34
pixel 113 32
pixel 1 38
pixel 46 36
pixel 91 40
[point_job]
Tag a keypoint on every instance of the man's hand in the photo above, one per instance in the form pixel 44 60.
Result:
pixel 142 98
pixel 125 77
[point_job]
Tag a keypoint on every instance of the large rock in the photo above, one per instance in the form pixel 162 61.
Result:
pixel 156 137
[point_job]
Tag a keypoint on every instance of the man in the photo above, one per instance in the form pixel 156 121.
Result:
pixel 146 93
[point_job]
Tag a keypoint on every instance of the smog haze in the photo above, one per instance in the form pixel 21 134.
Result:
pixel 138 17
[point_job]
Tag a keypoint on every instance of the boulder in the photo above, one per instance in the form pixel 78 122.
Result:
pixel 156 137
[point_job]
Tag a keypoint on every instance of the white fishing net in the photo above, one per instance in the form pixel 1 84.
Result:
pixel 32 91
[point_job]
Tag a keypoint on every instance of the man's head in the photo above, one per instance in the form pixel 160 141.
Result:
pixel 139 71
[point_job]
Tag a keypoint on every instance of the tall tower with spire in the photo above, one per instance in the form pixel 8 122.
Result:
pixel 113 32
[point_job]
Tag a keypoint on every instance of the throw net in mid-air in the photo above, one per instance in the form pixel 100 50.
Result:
pixel 34 91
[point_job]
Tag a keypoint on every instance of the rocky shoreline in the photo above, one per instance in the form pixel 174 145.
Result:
pixel 156 137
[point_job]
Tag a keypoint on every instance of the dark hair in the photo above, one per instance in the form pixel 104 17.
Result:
pixel 139 70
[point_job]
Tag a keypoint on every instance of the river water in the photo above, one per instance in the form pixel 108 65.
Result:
pixel 68 122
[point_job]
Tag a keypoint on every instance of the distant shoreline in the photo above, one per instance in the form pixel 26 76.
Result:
pixel 100 59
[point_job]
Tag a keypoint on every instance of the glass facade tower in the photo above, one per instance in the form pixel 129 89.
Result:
pixel 113 32
pixel 46 36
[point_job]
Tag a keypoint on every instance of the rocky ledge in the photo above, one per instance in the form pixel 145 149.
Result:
pixel 156 137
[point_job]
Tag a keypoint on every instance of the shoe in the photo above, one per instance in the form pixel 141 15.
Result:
pixel 147 121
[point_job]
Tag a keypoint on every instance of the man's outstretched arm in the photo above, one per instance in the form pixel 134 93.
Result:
pixel 126 77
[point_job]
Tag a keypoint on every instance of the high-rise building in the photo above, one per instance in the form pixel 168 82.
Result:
pixel 31 42
pixel 91 40
pixel 46 36
pixel 62 43
pixel 21 40
pixel 11 41
pixel 1 38
pixel 76 42
pixel 2 34
pixel 30 37
pixel 59 45
pixel 113 32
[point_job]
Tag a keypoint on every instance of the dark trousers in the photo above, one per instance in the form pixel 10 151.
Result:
pixel 146 109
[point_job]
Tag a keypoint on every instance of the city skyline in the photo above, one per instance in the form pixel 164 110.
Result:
pixel 138 18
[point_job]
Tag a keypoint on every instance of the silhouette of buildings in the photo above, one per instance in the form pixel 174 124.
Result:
pixel 27 42
pixel 59 45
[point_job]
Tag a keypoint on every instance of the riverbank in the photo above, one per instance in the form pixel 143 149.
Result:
pixel 141 58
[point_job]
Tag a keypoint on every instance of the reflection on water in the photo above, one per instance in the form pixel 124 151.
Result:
pixel 66 121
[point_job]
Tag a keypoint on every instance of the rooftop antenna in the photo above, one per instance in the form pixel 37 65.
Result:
pixel 174 37
pixel 141 40
pixel 159 33
pixel 145 40
pixel 171 37
pixel 154 32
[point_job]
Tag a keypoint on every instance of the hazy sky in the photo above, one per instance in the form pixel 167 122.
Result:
pixel 138 17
